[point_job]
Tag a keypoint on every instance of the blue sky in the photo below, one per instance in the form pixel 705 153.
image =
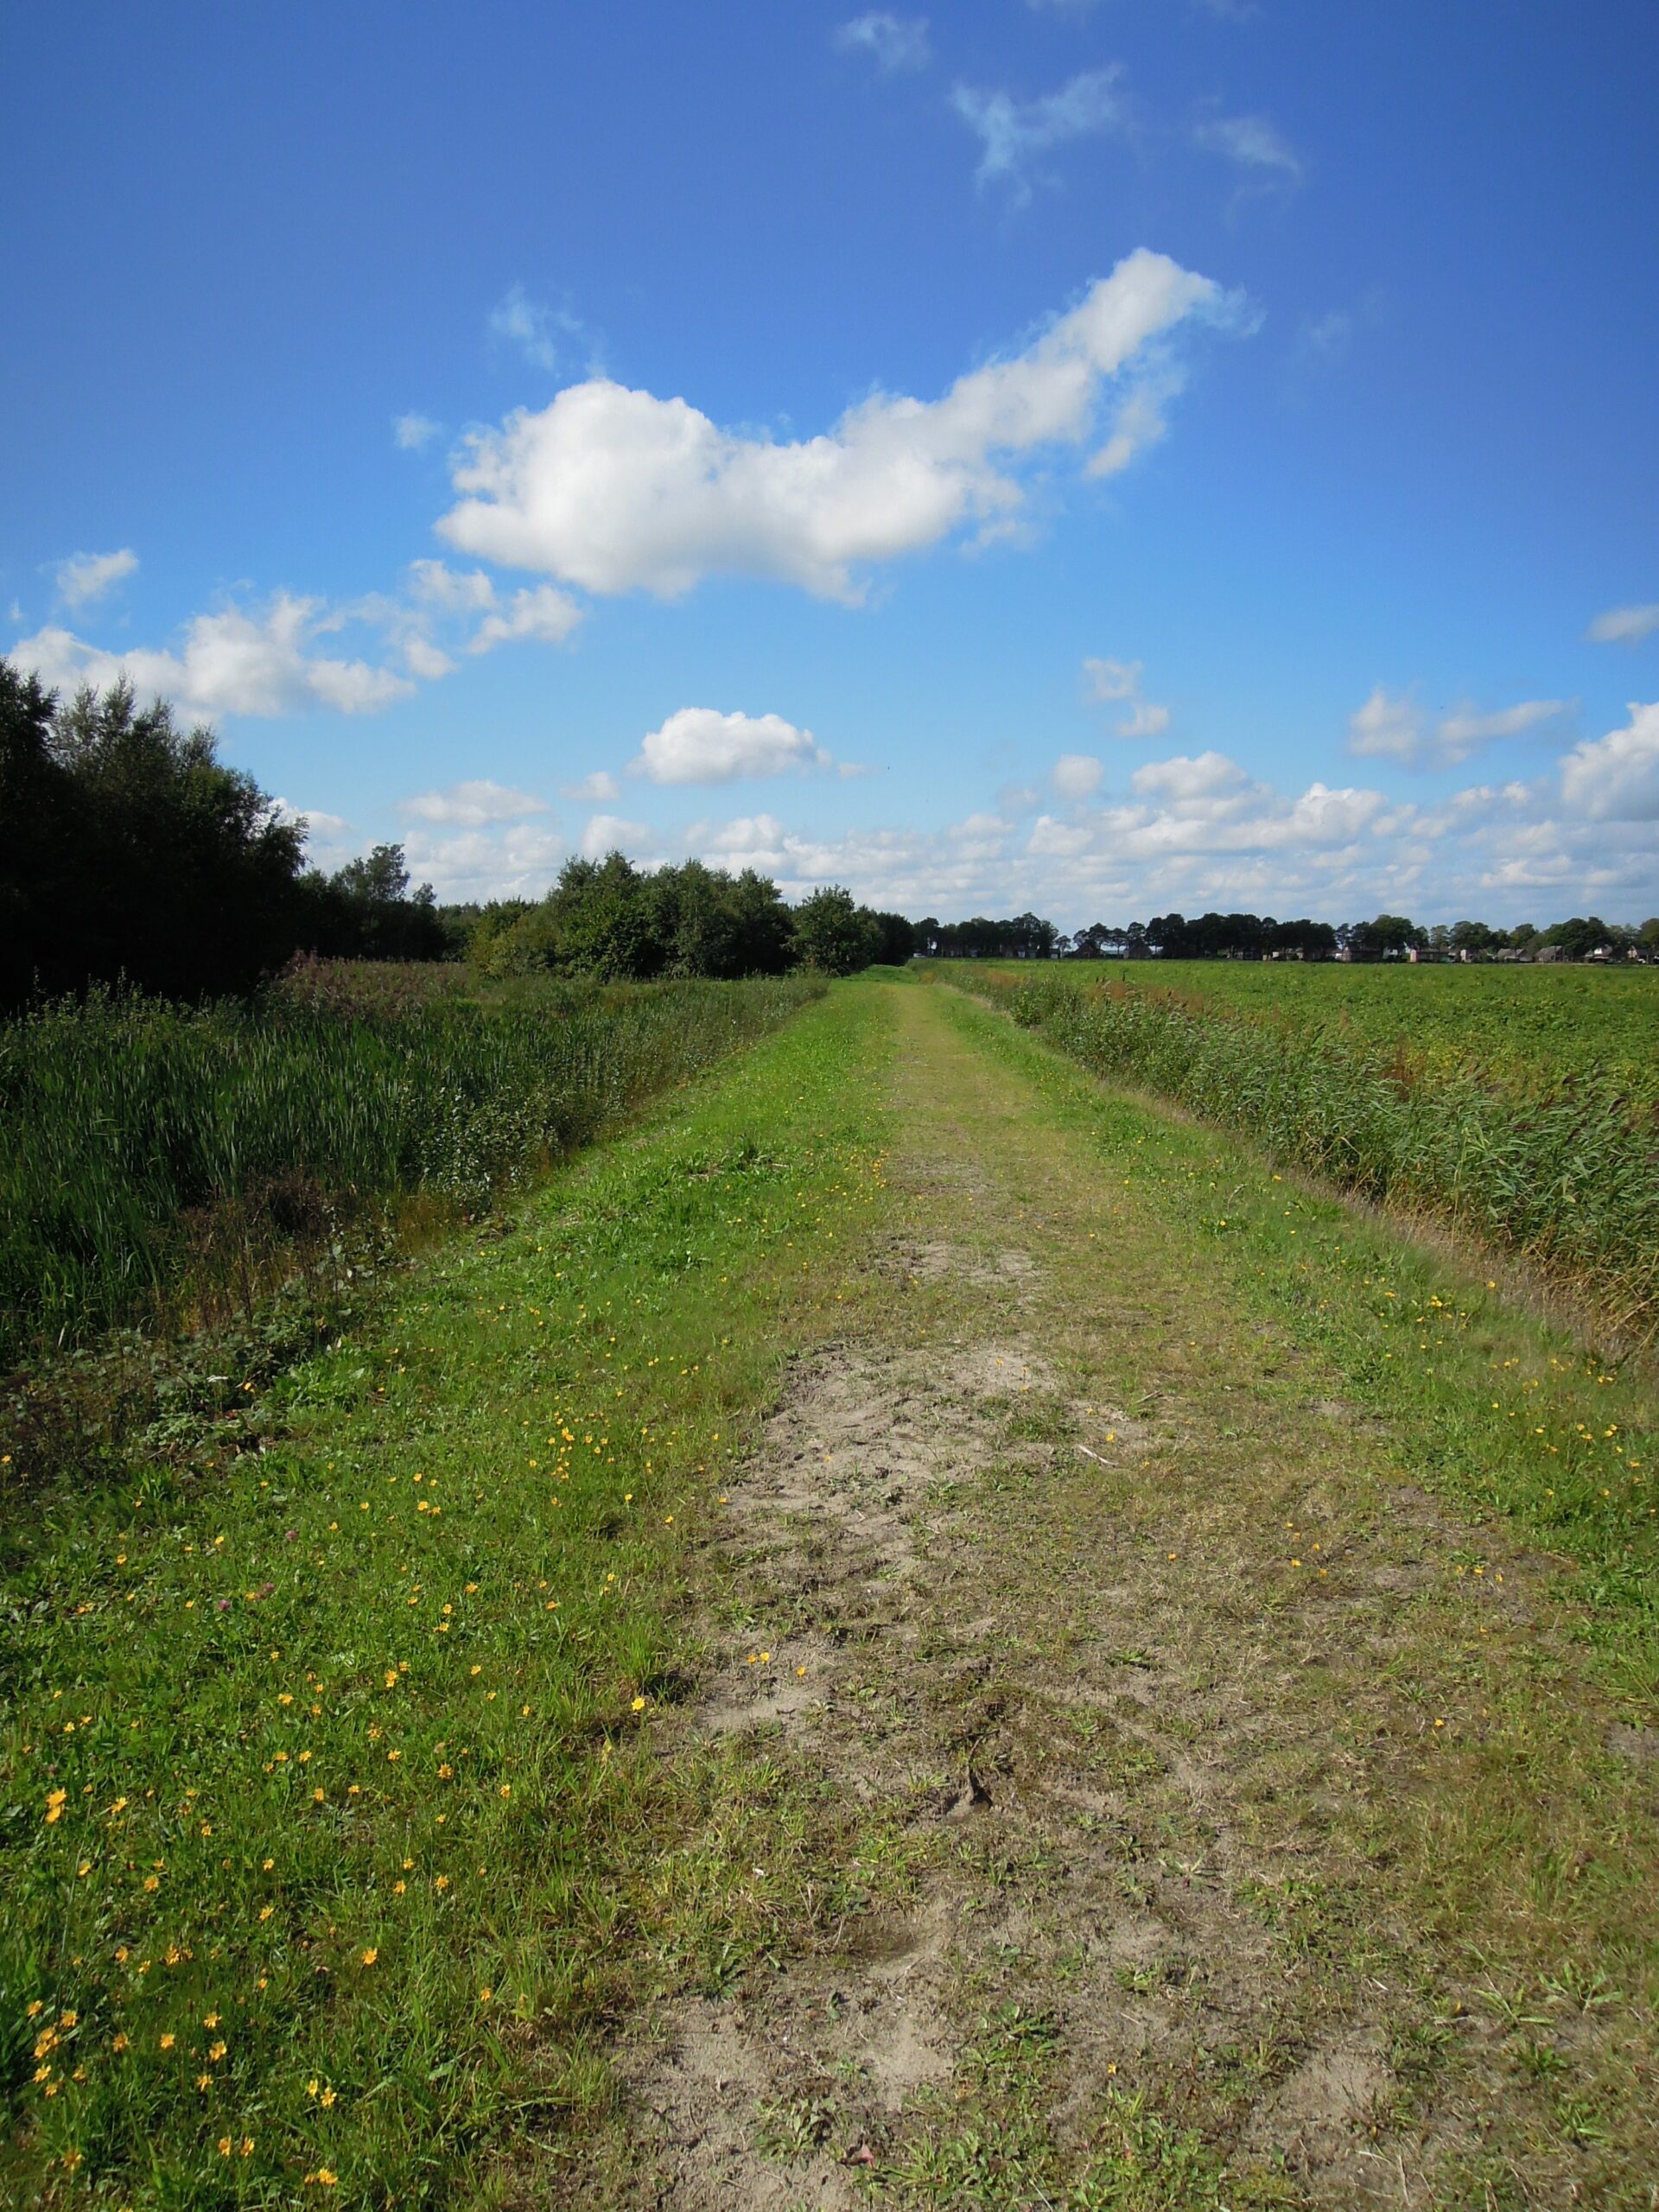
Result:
pixel 1102 458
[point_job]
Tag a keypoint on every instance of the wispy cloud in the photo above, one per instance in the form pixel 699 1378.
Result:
pixel 1014 133
pixel 1075 775
pixel 542 334
pixel 1118 683
pixel 470 805
pixel 602 785
pixel 412 431
pixel 1624 626
pixel 892 42
pixel 85 577
pixel 1261 157
pixel 1391 726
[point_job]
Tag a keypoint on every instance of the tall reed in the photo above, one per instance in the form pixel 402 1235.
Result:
pixel 134 1133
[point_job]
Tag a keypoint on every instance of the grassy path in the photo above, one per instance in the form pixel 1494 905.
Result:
pixel 1207 1810
pixel 916 1631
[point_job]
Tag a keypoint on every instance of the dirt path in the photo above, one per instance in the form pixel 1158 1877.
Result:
pixel 1193 1850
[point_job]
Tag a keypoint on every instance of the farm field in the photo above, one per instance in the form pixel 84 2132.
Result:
pixel 910 1628
pixel 1536 1027
pixel 1520 1106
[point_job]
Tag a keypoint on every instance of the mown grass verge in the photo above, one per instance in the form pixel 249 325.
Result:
pixel 1494 1409
pixel 1568 1177
pixel 156 1160
pixel 332 1830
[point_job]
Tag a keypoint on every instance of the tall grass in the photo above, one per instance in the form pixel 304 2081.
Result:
pixel 1567 1175
pixel 149 1152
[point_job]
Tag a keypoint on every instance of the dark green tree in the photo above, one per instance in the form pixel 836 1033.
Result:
pixel 152 860
pixel 366 910
pixel 834 934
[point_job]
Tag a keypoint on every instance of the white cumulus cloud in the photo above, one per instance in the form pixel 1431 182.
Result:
pixel 602 785
pixel 330 827
pixel 438 592
pixel 451 590
pixel 1389 726
pixel 1184 777
pixel 608 833
pixel 614 490
pixel 87 576
pixel 1617 777
pixel 699 745
pixel 1624 626
pixel 892 42
pixel 231 662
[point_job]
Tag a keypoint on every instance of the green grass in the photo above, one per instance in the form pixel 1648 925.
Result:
pixel 575 1385
pixel 329 1806
pixel 1563 1169
pixel 154 1156
pixel 1494 1411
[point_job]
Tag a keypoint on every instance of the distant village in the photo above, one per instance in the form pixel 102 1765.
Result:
pixel 1581 940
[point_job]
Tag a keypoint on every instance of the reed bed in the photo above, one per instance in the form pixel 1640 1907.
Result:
pixel 151 1154
pixel 1564 1172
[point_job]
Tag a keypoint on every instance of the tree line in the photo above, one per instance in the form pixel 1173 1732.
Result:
pixel 129 851
pixel 610 920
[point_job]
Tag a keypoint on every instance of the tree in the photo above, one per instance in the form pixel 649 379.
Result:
pixel 895 940
pixel 366 910
pixel 150 860
pixel 833 933
pixel 43 919
pixel 764 929
pixel 1473 937
pixel 1578 937
pixel 1388 938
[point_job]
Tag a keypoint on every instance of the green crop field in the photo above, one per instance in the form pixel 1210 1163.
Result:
pixel 1523 1106
pixel 894 1623
pixel 1536 1027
